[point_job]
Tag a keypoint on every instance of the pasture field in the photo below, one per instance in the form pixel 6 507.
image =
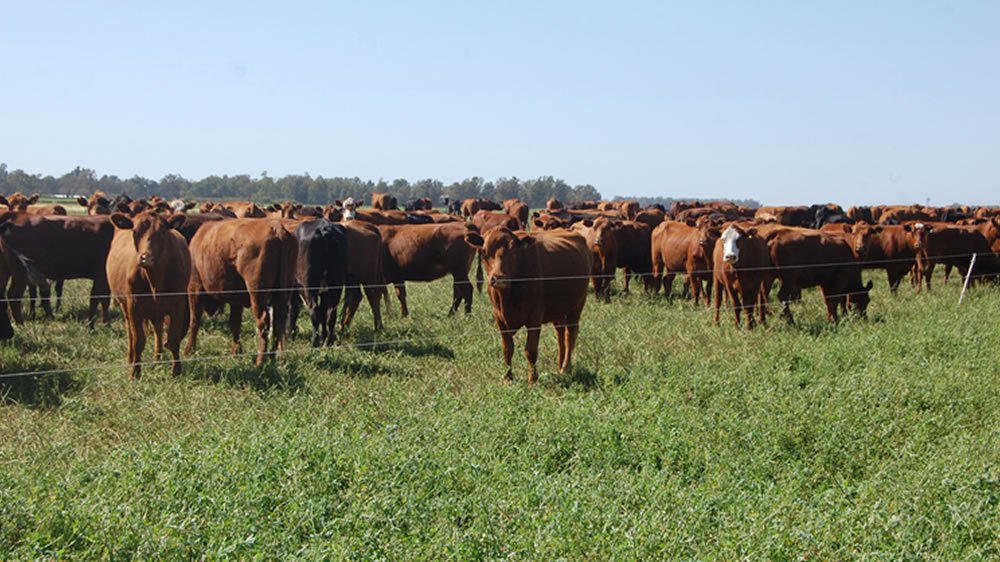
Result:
pixel 875 438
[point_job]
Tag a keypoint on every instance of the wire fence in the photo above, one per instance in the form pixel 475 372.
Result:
pixel 871 264
pixel 698 309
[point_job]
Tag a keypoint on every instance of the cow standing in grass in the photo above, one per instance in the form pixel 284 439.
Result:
pixel 149 267
pixel 536 278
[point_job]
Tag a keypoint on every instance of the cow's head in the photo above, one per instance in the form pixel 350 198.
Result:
pixel 918 233
pixel 349 206
pixel 150 232
pixel 549 222
pixel 502 252
pixel 97 204
pixel 19 202
pixel 862 235
pixel 731 239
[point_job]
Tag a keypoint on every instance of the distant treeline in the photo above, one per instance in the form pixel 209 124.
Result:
pixel 305 188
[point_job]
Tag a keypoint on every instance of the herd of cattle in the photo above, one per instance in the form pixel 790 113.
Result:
pixel 166 266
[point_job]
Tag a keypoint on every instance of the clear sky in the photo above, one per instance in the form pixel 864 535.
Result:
pixel 783 102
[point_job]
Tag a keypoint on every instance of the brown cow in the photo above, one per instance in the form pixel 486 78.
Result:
pixel 859 236
pixel 61 248
pixel 891 249
pixel 364 271
pixel 549 222
pixel 677 246
pixel 243 262
pixel 651 216
pixel 97 204
pixel 604 247
pixel 148 268
pixel 938 242
pixel 18 202
pixel 742 269
pixel 810 258
pixel 518 209
pixel 536 278
pixel 425 252
pixel 384 202
pixel 629 209
pixel 634 252
pixel 472 206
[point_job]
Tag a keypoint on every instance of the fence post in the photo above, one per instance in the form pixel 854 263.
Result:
pixel 968 276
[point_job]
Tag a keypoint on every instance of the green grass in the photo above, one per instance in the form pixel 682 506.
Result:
pixel 672 438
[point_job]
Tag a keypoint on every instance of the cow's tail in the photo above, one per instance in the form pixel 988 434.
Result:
pixel 20 264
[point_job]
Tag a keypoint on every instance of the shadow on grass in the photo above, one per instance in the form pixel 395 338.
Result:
pixel 271 376
pixel 578 378
pixel 354 366
pixel 35 391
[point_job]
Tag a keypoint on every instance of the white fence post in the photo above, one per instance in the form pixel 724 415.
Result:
pixel 968 276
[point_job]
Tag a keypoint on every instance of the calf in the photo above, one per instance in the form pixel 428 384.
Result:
pixel 535 278
pixel 243 262
pixel 148 268
pixel 742 268
pixel 426 253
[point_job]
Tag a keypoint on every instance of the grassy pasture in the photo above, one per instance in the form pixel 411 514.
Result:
pixel 672 438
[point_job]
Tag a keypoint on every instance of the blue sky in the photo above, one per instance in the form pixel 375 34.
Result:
pixel 783 102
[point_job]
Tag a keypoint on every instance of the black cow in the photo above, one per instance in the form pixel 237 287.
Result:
pixel 321 261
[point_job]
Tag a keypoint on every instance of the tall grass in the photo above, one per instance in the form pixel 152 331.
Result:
pixel 671 438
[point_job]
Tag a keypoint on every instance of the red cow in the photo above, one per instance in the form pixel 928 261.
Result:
pixel 18 202
pixel 937 242
pixel 148 268
pixel 364 271
pixel 810 258
pixel 536 278
pixel 678 246
pixel 384 201
pixel 742 269
pixel 425 252
pixel 60 248
pixel 517 209
pixel 243 262
pixel 859 236
pixel 634 254
pixel 604 247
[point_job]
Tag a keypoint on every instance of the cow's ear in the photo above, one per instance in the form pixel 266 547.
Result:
pixel 359 202
pixel 33 199
pixel 474 239
pixel 588 223
pixel 690 222
pixel 190 205
pixel 176 220
pixel 123 208
pixel 751 232
pixel 121 221
pixel 82 201
pixel 907 228
pixel 538 223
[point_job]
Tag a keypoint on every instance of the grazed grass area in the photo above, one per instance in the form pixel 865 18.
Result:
pixel 876 438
